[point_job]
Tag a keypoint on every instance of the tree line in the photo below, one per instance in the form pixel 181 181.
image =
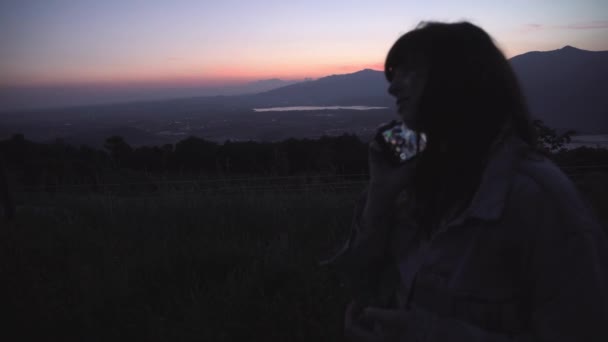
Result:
pixel 45 164
pixel 61 163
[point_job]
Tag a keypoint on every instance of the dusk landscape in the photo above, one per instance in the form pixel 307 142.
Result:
pixel 183 170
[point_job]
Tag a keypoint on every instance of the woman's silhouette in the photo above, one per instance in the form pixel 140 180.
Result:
pixel 479 237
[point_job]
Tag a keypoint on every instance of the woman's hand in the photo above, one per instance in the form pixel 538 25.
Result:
pixel 354 329
pixel 386 180
pixel 384 175
pixel 389 325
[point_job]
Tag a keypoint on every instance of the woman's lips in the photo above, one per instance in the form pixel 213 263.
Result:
pixel 402 100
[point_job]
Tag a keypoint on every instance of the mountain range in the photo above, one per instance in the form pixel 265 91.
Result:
pixel 566 88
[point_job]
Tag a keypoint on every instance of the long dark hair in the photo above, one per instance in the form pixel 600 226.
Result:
pixel 472 97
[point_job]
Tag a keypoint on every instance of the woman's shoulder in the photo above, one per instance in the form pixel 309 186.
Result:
pixel 540 188
pixel 537 172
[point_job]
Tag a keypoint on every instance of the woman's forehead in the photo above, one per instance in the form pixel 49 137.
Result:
pixel 408 65
pixel 409 60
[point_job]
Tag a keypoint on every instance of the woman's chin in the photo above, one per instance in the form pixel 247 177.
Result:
pixel 410 122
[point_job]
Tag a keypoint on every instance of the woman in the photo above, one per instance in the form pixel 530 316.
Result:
pixel 479 237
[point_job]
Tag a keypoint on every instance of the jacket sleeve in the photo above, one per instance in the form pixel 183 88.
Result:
pixel 363 263
pixel 338 257
pixel 567 276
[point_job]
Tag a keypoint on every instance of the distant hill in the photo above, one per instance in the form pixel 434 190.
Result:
pixel 254 87
pixel 566 88
pixel 366 87
pixel 27 98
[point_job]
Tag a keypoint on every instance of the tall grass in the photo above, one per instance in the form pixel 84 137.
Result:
pixel 177 267
pixel 184 267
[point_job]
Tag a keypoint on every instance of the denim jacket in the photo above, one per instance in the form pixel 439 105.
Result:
pixel 526 261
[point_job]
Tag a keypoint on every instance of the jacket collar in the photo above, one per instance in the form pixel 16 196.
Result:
pixel 490 198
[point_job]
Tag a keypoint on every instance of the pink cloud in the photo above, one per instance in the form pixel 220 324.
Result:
pixel 531 28
pixel 591 25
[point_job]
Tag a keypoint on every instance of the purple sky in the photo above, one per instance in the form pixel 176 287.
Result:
pixel 102 50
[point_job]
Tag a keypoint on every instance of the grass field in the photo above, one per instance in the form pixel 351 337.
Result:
pixel 176 267
pixel 183 267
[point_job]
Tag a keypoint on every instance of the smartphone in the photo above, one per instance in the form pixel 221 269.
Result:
pixel 400 143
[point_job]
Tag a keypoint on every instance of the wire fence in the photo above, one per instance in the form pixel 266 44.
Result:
pixel 241 185
pixel 234 185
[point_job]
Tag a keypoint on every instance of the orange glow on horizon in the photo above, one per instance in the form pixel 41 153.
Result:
pixel 218 76
pixel 288 72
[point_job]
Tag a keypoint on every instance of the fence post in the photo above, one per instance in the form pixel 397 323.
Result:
pixel 5 194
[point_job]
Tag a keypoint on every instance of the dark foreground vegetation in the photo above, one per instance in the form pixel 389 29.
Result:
pixel 187 267
pixel 142 244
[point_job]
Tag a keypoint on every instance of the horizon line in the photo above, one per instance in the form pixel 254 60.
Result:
pixel 215 81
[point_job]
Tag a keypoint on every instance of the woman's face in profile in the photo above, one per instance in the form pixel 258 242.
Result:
pixel 407 86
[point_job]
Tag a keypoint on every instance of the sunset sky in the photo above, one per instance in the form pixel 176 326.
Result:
pixel 55 44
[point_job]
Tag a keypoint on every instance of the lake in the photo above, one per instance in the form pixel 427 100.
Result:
pixel 598 140
pixel 309 108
